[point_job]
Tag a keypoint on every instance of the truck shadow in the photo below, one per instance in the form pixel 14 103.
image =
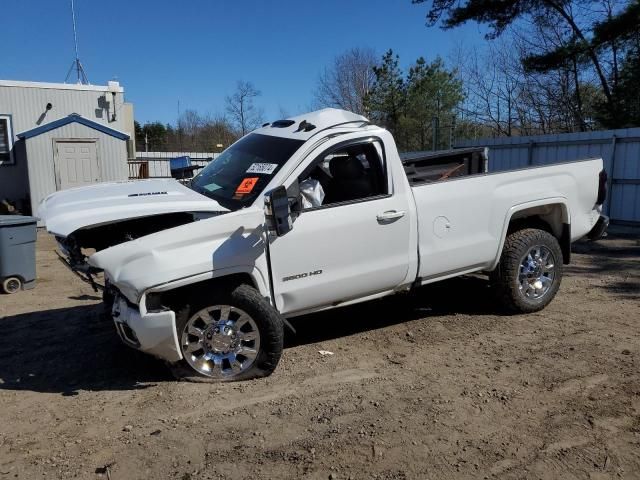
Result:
pixel 70 349
pixel 73 349
pixel 612 265
pixel 466 295
pixel 613 246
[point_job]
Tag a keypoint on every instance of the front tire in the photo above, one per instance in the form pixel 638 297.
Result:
pixel 232 336
pixel 529 273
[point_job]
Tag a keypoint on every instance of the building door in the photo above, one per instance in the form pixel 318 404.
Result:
pixel 76 163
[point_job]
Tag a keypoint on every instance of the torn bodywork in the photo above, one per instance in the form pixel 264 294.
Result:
pixel 89 219
pixel 77 247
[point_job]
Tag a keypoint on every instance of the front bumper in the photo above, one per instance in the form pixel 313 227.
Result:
pixel 151 332
pixel 599 230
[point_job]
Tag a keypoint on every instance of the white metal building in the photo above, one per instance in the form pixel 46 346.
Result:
pixel 55 136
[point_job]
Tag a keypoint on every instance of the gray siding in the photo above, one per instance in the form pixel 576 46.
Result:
pixel 27 107
pixel 112 158
pixel 619 149
pixel 14 183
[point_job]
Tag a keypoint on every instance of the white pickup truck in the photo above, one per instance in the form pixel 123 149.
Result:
pixel 310 213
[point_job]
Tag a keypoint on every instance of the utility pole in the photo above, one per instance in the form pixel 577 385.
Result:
pixel 452 132
pixel 179 128
pixel 435 127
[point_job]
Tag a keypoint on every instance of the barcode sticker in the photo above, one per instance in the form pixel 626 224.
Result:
pixel 264 168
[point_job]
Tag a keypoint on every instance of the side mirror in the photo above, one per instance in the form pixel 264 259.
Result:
pixel 277 211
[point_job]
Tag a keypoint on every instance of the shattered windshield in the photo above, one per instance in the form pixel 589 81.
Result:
pixel 240 173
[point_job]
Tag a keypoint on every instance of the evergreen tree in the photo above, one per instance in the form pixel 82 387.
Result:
pixel 387 98
pixel 626 93
pixel 433 92
pixel 590 40
pixel 408 106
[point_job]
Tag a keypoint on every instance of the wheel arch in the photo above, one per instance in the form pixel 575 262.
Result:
pixel 550 214
pixel 178 291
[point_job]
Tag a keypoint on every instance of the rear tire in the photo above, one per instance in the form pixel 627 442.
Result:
pixel 231 336
pixel 529 273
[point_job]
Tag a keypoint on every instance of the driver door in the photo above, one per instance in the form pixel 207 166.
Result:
pixel 355 244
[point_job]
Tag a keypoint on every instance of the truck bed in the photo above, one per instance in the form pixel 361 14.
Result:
pixel 429 167
pixel 461 222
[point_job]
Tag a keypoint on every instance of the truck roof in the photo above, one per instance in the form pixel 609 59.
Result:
pixel 303 127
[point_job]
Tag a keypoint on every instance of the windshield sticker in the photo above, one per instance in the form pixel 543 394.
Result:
pixel 246 185
pixel 265 168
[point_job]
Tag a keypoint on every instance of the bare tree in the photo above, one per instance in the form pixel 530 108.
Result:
pixel 240 107
pixel 195 132
pixel 493 86
pixel 347 82
pixel 503 98
pixel 215 131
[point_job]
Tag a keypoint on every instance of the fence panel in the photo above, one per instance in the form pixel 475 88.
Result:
pixel 619 149
pixel 157 164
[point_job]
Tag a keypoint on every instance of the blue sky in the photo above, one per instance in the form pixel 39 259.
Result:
pixel 194 51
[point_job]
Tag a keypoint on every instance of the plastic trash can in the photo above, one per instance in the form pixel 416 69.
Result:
pixel 17 252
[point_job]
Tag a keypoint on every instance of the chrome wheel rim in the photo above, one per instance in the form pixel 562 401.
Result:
pixel 220 341
pixel 537 272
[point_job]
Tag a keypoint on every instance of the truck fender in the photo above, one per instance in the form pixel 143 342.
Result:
pixel 257 277
pixel 565 229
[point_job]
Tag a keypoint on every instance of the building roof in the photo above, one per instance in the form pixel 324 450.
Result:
pixel 74 117
pixel 112 86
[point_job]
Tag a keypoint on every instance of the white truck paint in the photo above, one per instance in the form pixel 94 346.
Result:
pixel 334 255
pixel 104 203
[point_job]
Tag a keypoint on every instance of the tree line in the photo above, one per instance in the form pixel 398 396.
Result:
pixel 196 132
pixel 552 66
pixel 548 66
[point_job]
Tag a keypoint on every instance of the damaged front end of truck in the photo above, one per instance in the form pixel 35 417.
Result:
pixel 91 219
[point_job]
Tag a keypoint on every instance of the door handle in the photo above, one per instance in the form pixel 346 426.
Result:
pixel 390 215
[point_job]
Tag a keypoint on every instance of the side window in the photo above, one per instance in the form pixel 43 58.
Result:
pixel 349 173
pixel 6 139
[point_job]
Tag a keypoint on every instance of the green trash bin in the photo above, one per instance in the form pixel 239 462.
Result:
pixel 17 252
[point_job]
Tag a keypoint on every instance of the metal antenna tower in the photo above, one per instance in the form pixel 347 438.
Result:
pixel 77 65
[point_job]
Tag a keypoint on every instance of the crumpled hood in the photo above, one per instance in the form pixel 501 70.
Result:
pixel 233 242
pixel 66 211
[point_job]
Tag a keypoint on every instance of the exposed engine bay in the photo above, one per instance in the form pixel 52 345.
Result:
pixel 82 243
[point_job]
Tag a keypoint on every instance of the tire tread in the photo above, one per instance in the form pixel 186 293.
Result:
pixel 503 277
pixel 269 322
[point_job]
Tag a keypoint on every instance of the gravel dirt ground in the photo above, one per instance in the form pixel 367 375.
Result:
pixel 430 385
